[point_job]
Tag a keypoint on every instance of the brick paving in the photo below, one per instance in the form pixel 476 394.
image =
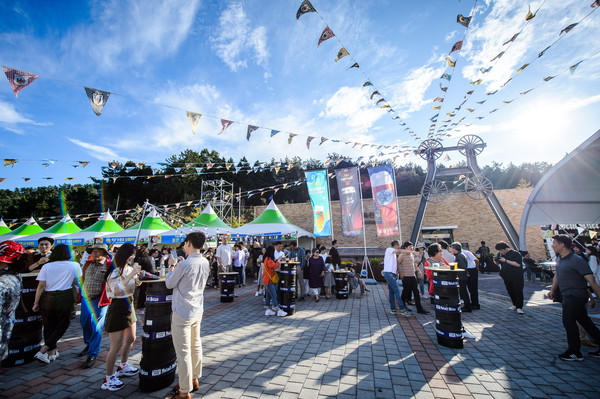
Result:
pixel 347 349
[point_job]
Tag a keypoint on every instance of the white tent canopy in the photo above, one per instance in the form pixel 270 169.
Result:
pixel 569 193
pixel 271 222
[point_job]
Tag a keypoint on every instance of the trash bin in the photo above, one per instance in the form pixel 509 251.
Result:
pixel 157 367
pixel 26 335
pixel 287 287
pixel 448 324
pixel 227 286
pixel 341 284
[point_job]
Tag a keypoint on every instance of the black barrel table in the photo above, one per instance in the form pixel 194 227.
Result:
pixel 157 367
pixel 227 286
pixel 448 323
pixel 341 284
pixel 26 335
pixel 287 286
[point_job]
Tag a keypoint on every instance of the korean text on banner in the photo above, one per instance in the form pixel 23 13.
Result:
pixel 316 181
pixel 384 200
pixel 348 183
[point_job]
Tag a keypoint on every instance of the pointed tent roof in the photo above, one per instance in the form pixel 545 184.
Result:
pixel 27 228
pixel 104 226
pixel 271 221
pixel 4 229
pixel 63 227
pixel 207 218
pixel 151 225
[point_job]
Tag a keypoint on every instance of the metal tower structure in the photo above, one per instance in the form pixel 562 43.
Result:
pixel 477 186
pixel 220 195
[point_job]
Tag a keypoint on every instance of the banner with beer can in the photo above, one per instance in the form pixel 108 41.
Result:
pixel 348 182
pixel 318 191
pixel 384 200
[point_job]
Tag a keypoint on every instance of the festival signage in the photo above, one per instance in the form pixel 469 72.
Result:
pixel 384 200
pixel 316 181
pixel 348 182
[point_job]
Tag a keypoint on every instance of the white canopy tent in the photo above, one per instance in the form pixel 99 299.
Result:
pixel 271 222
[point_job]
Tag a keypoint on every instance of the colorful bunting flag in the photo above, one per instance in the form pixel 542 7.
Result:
pixel 209 165
pixel 548 78
pixel 18 79
pixel 476 82
pixel 592 232
pixel 572 68
pixel 291 136
pixel 568 28
pixel 327 34
pixel 11 162
pixel 512 39
pixel 27 178
pixel 367 84
pixel 485 70
pixel 2 179
pixel 228 165
pixel 308 140
pixel 522 68
pixel 464 21
pixel 436 107
pixel 498 56
pixel 530 15
pixel 385 106
pixel 451 63
pixel 507 102
pixel 305 7
pixel 251 129
pixel 438 99
pixel 457 46
pixel 594 5
pixel 323 139
pixel 433 117
pixel 380 100
pixel 341 54
pixel 225 124
pixel 274 132
pixel 543 51
pixel 470 109
pixel 374 93
pixel 447 77
pixel 98 99
pixel 505 83
pixel 194 118
pixel 491 93
pixel 525 92
pixel 355 65
pixel 444 89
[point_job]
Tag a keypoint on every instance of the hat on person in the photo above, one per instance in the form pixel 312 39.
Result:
pixel 102 247
pixel 10 251
pixel 420 245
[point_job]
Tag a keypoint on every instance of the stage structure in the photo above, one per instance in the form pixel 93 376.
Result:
pixel 477 186
pixel 219 193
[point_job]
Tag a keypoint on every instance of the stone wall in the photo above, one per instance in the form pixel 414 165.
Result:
pixel 474 219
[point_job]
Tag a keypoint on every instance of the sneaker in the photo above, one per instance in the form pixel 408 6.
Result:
pixel 424 296
pixel 467 334
pixel 281 313
pixel 42 357
pixel 53 357
pixel 393 311
pixel 513 307
pixel 570 357
pixel 595 354
pixel 112 383
pixel 403 312
pixel 520 311
pixel 257 293
pixel 270 312
pixel 126 370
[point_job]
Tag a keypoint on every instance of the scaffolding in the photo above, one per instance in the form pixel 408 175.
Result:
pixel 219 193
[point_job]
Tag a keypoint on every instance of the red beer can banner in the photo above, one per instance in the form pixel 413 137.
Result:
pixel 348 182
pixel 384 200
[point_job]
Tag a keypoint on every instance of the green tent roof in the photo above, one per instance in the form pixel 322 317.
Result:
pixel 271 215
pixel 151 222
pixel 65 226
pixel 207 218
pixel 28 228
pixel 106 224
pixel 4 229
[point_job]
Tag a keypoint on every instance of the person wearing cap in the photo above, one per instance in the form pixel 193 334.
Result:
pixel 93 309
pixel 45 249
pixel 10 290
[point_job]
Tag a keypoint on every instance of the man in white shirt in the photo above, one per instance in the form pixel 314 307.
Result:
pixel 473 279
pixel 390 272
pixel 279 254
pixel 187 279
pixel 446 253
pixel 224 256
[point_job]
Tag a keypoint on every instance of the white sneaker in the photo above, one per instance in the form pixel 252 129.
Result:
pixel 257 293
pixel 53 357
pixel 467 334
pixel 520 311
pixel 270 312
pixel 126 370
pixel 513 307
pixel 281 313
pixel 42 357
pixel 425 296
pixel 112 383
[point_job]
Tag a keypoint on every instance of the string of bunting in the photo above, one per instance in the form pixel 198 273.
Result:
pixel 307 7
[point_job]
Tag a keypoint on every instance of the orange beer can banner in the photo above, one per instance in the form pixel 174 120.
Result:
pixel 384 200
pixel 316 181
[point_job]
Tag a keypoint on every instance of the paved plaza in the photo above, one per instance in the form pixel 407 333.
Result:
pixel 347 349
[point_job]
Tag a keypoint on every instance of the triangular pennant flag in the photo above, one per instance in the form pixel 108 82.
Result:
pixel 444 89
pixel 512 39
pixel 438 99
pixel 457 46
pixel 141 165
pixel 11 162
pixel 498 56
pixel 177 170
pixel 209 165
pixel 198 170
pixel 380 100
pixel 308 140
pixel 323 139
pixel 355 65
pixel 522 68
pixel 543 51
pixel 2 179
pixel 368 83
pixel 341 54
pixel 251 129
pixel 434 107
pixel 580 230
pixel 83 163
pixel 507 102
pixel 568 28
pixel 228 166
pixel 113 165
pixel 277 169
pixel 18 79
pixel 290 137
pixel 194 118
pixel 274 132
pixel 485 70
pixel 374 93
pixel 446 76
pixel 237 169
pixel 451 63
pixel 225 124
pixel 572 68
pixel 548 78
pixel 305 7
pixel 476 82
pixel 592 232
pixel 525 92
pixel 27 178
pixel 327 34
pixel 529 15
pixel 464 21
pixel 98 99
pixel 594 5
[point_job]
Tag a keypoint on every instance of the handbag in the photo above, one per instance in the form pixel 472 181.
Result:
pixel 275 278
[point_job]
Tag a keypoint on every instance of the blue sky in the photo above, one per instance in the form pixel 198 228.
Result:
pixel 252 62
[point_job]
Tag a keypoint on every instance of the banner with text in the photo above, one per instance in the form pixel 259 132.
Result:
pixel 316 181
pixel 348 182
pixel 384 200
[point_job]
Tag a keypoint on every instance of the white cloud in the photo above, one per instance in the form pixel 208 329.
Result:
pixel 236 41
pixel 97 151
pixel 353 104
pixel 10 118
pixel 411 91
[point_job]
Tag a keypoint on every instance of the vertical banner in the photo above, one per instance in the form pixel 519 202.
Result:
pixel 348 182
pixel 316 181
pixel 384 200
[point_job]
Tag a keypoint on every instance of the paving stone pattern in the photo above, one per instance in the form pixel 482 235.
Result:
pixel 352 348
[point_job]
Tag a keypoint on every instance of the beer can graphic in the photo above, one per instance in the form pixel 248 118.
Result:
pixel 384 202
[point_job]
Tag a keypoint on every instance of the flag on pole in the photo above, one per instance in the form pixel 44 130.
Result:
pixel 384 200
pixel 316 182
pixel 348 182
